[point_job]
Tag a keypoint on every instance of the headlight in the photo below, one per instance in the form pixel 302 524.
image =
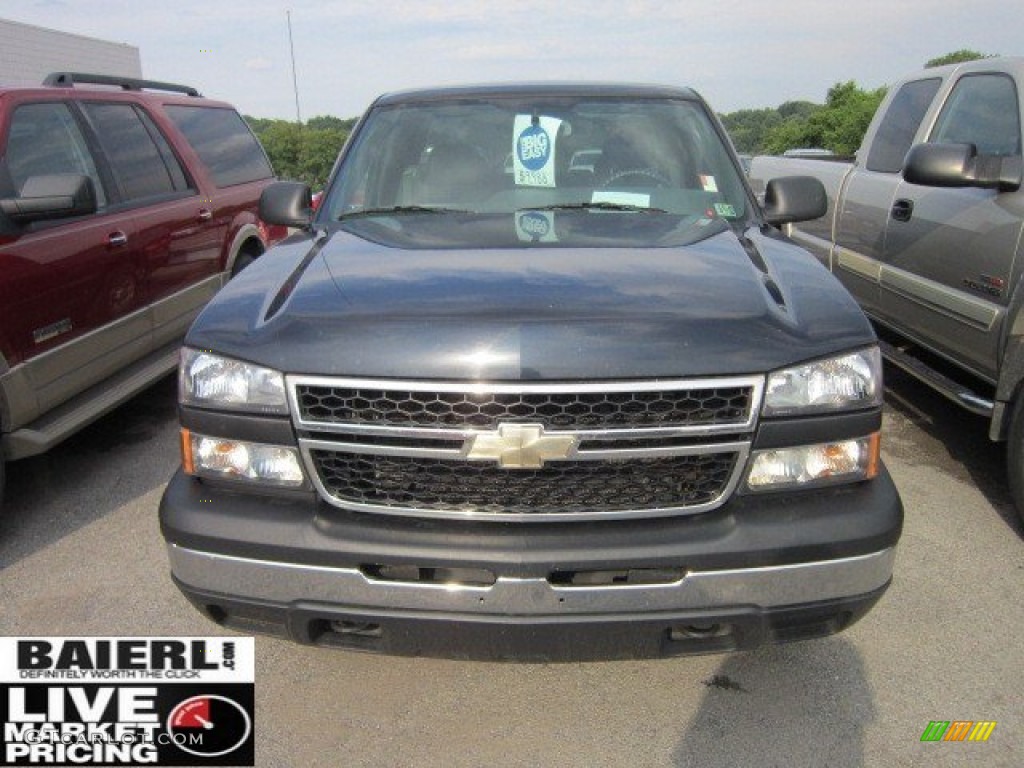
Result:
pixel 839 383
pixel 212 381
pixel 241 460
pixel 812 465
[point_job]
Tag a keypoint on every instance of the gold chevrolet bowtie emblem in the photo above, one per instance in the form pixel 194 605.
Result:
pixel 520 446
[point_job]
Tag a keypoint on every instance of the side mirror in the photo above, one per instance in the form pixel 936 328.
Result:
pixel 794 198
pixel 55 196
pixel 287 203
pixel 960 165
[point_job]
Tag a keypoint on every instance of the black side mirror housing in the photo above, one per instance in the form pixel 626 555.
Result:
pixel 287 203
pixel 794 198
pixel 960 165
pixel 53 196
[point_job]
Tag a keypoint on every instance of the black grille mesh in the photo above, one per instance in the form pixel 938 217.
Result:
pixel 558 487
pixel 711 405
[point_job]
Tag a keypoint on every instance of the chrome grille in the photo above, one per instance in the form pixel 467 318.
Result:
pixel 405 482
pixel 559 410
pixel 525 451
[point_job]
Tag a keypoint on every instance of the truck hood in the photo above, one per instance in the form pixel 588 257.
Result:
pixel 599 295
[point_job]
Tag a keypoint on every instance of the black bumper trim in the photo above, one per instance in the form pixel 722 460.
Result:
pixel 541 639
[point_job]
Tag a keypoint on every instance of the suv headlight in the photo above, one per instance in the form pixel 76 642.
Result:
pixel 846 382
pixel 211 381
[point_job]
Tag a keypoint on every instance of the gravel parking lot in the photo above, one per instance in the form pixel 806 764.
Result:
pixel 81 553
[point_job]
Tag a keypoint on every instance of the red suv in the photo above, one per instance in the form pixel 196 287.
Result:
pixel 124 206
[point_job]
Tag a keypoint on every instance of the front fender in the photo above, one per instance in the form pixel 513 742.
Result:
pixel 1010 363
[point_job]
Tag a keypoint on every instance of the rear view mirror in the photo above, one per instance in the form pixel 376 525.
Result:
pixel 794 198
pixel 960 165
pixel 53 196
pixel 287 203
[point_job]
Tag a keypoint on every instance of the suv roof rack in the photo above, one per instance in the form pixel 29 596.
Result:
pixel 69 79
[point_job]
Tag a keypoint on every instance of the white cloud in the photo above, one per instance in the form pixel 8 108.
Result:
pixel 747 53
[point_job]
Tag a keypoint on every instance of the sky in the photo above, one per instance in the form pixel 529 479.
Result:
pixel 738 54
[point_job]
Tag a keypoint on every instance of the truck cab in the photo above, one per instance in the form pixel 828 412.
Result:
pixel 925 231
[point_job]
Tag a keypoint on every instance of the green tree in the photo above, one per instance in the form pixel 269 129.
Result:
pixel 259 124
pixel 749 127
pixel 283 140
pixel 838 126
pixel 302 152
pixel 956 57
pixel 789 135
pixel 800 110
pixel 317 153
pixel 328 122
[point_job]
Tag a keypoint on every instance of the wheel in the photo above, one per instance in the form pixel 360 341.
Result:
pixel 642 177
pixel 243 260
pixel 1015 457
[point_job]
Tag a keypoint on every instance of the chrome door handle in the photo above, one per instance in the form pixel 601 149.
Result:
pixel 205 214
pixel 117 238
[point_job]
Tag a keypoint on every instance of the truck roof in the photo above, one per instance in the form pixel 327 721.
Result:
pixel 1011 64
pixel 632 90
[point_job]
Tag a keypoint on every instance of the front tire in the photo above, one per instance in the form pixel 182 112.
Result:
pixel 243 260
pixel 1015 457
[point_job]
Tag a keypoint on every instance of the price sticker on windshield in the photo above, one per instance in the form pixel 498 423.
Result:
pixel 533 150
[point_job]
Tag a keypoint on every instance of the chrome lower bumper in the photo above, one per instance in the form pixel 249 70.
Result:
pixel 766 587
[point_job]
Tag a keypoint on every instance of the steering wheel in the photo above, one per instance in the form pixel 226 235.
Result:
pixel 642 175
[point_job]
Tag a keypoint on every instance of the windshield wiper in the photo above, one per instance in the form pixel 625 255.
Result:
pixel 401 209
pixel 595 206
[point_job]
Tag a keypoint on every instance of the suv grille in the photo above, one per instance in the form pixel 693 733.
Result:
pixel 525 451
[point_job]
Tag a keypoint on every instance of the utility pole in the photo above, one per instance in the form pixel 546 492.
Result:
pixel 295 80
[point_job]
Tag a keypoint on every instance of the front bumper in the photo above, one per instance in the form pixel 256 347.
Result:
pixel 760 569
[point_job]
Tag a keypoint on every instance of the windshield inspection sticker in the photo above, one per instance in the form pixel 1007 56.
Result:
pixel 724 209
pixel 637 199
pixel 533 153
pixel 127 701
pixel 708 183
pixel 536 226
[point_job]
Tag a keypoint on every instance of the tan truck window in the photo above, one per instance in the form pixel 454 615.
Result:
pixel 982 110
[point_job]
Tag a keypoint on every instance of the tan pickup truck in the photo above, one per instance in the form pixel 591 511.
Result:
pixel 925 230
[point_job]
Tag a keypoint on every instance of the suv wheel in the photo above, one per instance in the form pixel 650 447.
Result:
pixel 243 260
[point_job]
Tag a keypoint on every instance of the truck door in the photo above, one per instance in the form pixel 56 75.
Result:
pixel 871 191
pixel 949 252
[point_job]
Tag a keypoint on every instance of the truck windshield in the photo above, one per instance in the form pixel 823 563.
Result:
pixel 505 155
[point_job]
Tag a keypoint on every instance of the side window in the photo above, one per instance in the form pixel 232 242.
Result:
pixel 982 110
pixel 140 167
pixel 45 139
pixel 223 142
pixel 170 159
pixel 896 132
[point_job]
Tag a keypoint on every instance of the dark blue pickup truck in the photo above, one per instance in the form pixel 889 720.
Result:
pixel 537 379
